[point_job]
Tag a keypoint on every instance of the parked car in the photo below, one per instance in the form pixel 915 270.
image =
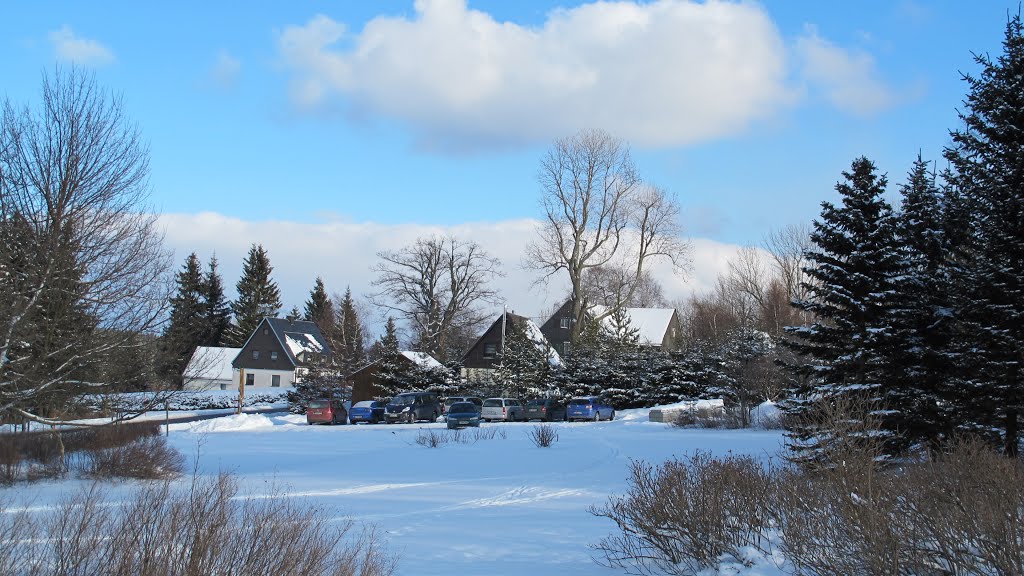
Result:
pixel 454 399
pixel 412 406
pixel 326 412
pixel 545 409
pixel 507 409
pixel 589 408
pixel 462 414
pixel 369 411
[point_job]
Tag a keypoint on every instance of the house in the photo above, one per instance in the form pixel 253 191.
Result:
pixel 656 327
pixel 364 381
pixel 210 369
pixel 277 352
pixel 481 359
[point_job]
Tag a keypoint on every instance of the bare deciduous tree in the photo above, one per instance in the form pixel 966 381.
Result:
pixel 606 285
pixel 598 213
pixel 83 270
pixel 437 285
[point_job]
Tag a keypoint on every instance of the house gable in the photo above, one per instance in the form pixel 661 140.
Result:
pixel 558 328
pixel 264 351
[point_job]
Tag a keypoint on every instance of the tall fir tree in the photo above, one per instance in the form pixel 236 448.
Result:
pixel 986 156
pixel 258 296
pixel 852 269
pixel 349 335
pixel 390 368
pixel 926 325
pixel 523 365
pixel 216 308
pixel 187 325
pixel 319 309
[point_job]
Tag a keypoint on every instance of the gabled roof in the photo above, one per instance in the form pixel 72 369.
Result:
pixel 422 359
pixel 651 323
pixel 295 337
pixel 210 362
pixel 532 331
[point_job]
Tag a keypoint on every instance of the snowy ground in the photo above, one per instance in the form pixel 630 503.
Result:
pixel 498 506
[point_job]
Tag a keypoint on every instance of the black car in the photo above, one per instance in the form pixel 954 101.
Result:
pixel 412 406
pixel 545 409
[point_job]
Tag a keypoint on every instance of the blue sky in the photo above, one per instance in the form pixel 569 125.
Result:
pixel 328 131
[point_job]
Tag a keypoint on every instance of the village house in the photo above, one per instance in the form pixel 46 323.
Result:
pixel 277 352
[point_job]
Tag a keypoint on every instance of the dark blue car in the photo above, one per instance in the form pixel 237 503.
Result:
pixel 462 414
pixel 591 408
pixel 369 411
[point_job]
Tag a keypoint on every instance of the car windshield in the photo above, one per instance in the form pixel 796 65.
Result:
pixel 580 401
pixel 318 404
pixel 402 400
pixel 492 402
pixel 536 402
pixel 463 407
pixel 364 404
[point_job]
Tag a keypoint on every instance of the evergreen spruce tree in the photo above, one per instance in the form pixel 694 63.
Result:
pixel 925 335
pixel 258 296
pixel 523 364
pixel 987 155
pixel 349 335
pixel 319 309
pixel 187 325
pixel 853 266
pixel 391 376
pixel 216 308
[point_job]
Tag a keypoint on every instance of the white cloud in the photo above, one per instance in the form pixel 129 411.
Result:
pixel 662 73
pixel 83 51
pixel 343 252
pixel 849 80
pixel 225 71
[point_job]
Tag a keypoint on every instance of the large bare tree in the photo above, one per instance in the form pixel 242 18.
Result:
pixel 83 271
pixel 599 214
pixel 437 285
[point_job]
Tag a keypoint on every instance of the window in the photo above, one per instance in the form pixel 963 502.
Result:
pixel 490 350
pixel 223 386
pixel 250 379
pixel 566 346
pixel 265 332
pixel 275 381
pixel 563 322
pixel 255 354
pixel 273 356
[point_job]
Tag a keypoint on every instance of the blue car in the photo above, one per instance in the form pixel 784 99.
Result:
pixel 462 414
pixel 591 408
pixel 369 411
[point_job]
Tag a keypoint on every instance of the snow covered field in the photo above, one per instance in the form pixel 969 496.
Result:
pixel 496 506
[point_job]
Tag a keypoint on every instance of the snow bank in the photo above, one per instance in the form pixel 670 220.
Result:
pixel 235 423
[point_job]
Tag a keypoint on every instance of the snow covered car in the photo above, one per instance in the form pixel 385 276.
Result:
pixel 369 411
pixel 507 409
pixel 412 406
pixel 589 408
pixel 462 414
pixel 326 412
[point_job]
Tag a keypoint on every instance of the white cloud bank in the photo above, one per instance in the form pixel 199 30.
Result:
pixel 848 80
pixel 69 47
pixel 342 253
pixel 660 73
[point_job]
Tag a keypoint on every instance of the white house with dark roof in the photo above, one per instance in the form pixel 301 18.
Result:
pixel 210 369
pixel 277 352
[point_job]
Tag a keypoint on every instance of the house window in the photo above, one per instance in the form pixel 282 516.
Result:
pixel 250 379
pixel 275 381
pixel 566 347
pixel 273 356
pixel 223 385
pixel 255 354
pixel 563 322
pixel 490 350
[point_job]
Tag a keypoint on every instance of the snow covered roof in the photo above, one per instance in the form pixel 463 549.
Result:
pixel 421 359
pixel 651 323
pixel 534 334
pixel 299 342
pixel 210 362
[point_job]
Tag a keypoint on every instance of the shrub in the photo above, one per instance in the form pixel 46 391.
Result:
pixel 708 417
pixel 148 458
pixel 205 529
pixel 684 516
pixel 544 435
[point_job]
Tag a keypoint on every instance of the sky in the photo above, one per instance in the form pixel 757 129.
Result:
pixel 331 131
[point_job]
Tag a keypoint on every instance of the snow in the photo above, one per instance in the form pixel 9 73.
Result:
pixel 299 342
pixel 651 323
pixel 211 363
pixel 422 359
pixel 538 338
pixel 498 506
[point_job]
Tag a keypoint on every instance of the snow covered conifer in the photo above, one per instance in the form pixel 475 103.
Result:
pixel 258 296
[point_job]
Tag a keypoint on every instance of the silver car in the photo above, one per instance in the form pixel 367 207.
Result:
pixel 506 409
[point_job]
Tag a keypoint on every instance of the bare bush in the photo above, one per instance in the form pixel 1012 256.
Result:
pixel 432 438
pixel 708 417
pixel 149 458
pixel 205 529
pixel 544 435
pixel 685 516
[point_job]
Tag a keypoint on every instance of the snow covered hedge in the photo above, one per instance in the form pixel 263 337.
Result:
pixel 194 400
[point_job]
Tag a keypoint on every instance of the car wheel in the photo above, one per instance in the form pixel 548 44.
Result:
pixel 435 416
pixel 597 416
pixel 411 418
pixel 612 417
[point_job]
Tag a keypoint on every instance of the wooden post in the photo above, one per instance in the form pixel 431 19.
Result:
pixel 241 389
